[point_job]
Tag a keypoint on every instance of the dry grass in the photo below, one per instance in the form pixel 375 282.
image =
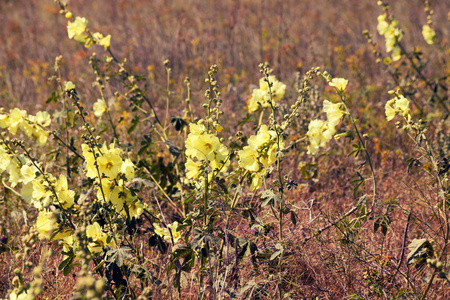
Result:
pixel 292 36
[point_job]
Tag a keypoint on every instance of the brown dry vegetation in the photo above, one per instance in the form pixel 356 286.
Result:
pixel 292 36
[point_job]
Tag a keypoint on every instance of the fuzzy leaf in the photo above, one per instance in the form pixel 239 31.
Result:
pixel 419 249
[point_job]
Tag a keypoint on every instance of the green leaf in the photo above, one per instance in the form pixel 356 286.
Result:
pixel 280 250
pixel 134 123
pixel 173 149
pixel 67 270
pixel 53 98
pixel 270 197
pixel 118 256
pixel 65 263
pixel 294 218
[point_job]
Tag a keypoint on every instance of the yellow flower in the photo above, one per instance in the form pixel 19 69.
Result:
pixel 27 193
pixel 397 106
pixel 46 224
pixel 43 118
pixel 193 169
pixel 428 34
pixel 164 232
pixel 319 133
pixel 269 157
pixel 105 42
pixel 16 119
pixel 68 85
pixel 110 162
pixel 396 54
pixel 204 146
pixel 65 196
pixel 4 120
pixel 217 127
pixel 106 188
pixel 334 112
pixel 99 107
pixel 339 83
pixel 97 237
pixel 248 158
pixel 403 105
pixel 135 209
pixel 91 171
pixel 389 110
pixel 257 100
pixel 5 159
pixel 262 148
pixel 263 136
pixel 14 166
pixel 40 135
pixel 119 196
pixel 278 88
pixel 77 27
pixel 22 296
pixel 257 180
pixel 260 97
pixel 70 244
pixel 128 169
pixel 392 34
pixel 41 195
pixel 197 129
pixel 28 173
pixel 382 24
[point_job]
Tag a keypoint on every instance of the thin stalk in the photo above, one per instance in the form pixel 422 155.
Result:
pixel 168 70
pixel 367 155
pixel 427 82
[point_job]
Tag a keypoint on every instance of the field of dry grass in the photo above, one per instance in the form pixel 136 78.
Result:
pixel 332 249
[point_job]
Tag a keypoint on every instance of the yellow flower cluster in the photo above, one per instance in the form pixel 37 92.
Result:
pixel 49 191
pixel 165 233
pixel 319 131
pixel 77 30
pixel 204 148
pixel 392 34
pixel 40 190
pixel 109 161
pixel 263 149
pixel 123 199
pixel 261 97
pixel 428 34
pixel 97 238
pixel 398 106
pixel 46 224
pixel 32 126
pixel 115 173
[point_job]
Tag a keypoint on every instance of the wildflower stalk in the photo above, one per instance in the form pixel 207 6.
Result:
pixel 50 184
pixel 92 143
pixel 278 130
pixel 188 98
pixel 108 113
pixel 168 71
pixel 174 206
pixel 150 104
pixel 416 68
pixel 427 152
pixel 367 155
